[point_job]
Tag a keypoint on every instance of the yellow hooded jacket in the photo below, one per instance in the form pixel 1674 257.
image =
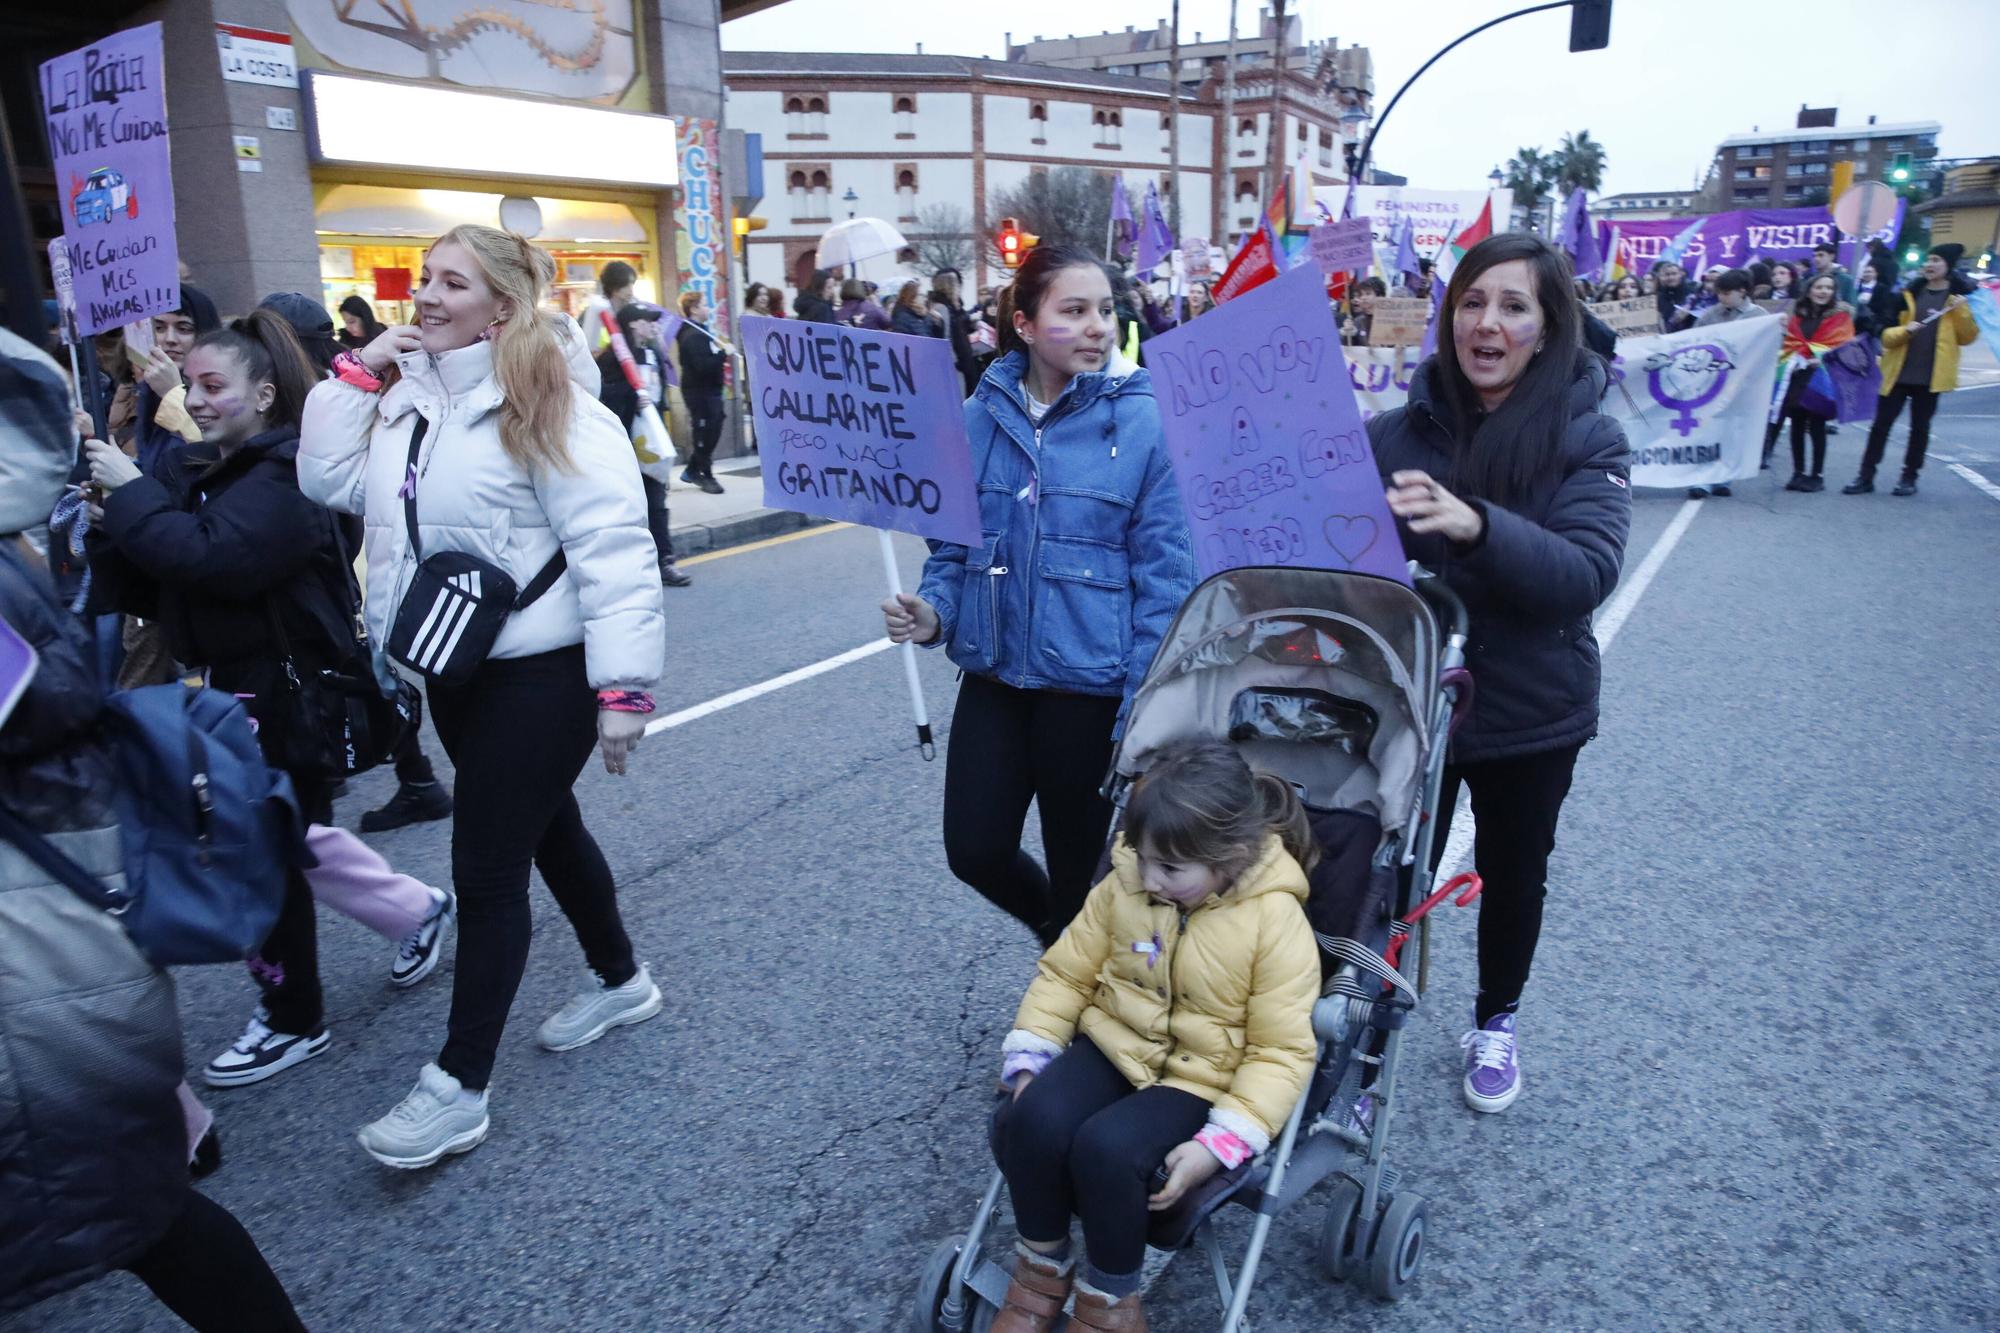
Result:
pixel 1952 331
pixel 1216 1001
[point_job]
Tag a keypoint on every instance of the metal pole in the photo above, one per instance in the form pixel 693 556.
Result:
pixel 1174 126
pixel 1225 180
pixel 1368 145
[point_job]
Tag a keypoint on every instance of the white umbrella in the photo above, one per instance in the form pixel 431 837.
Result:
pixel 857 239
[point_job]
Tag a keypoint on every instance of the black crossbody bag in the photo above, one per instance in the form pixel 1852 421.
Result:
pixel 457 603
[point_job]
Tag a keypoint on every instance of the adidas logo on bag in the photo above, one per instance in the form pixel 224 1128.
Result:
pixel 457 598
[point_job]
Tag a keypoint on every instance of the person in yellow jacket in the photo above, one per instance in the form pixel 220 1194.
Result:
pixel 1172 1020
pixel 1919 362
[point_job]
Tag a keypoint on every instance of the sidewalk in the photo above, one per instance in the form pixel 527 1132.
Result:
pixel 704 522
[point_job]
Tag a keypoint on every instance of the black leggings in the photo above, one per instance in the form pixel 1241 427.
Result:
pixel 519 733
pixel 1516 802
pixel 286 966
pixel 705 420
pixel 1923 404
pixel 209 1271
pixel 1081 1140
pixel 1804 422
pixel 1010 747
pixel 657 519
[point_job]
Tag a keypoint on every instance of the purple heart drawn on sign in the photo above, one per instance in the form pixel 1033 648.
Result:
pixel 1350 535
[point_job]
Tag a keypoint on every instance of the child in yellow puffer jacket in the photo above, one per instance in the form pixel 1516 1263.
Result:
pixel 1172 1020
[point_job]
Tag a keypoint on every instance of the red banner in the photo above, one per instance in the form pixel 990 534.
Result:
pixel 1254 265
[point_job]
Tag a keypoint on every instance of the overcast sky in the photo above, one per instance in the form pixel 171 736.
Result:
pixel 1679 75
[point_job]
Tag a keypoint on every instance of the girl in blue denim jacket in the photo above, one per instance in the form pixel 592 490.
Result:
pixel 1055 616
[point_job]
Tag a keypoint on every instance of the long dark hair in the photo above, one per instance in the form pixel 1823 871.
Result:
pixel 1031 284
pixel 371 327
pixel 1810 312
pixel 1200 804
pixel 268 348
pixel 1502 457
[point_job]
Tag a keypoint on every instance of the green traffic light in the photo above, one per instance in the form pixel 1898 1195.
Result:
pixel 1913 256
pixel 1900 174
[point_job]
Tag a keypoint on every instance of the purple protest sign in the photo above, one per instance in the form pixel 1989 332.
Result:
pixel 17 668
pixel 862 425
pixel 1344 246
pixel 1265 437
pixel 106 115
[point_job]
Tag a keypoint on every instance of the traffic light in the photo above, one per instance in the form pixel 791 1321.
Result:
pixel 1899 168
pixel 1589 25
pixel 743 226
pixel 1913 256
pixel 1013 243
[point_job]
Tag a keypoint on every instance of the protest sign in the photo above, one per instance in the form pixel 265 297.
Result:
pixel 1380 377
pixel 1194 251
pixel 862 425
pixel 18 662
pixel 1640 314
pixel 1693 403
pixel 1434 214
pixel 1266 442
pixel 1398 321
pixel 1343 246
pixel 106 119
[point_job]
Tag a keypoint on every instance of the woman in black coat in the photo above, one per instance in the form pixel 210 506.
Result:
pixel 1508 481
pixel 220 547
pixel 93 1146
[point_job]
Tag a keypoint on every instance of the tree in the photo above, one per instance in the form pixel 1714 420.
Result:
pixel 1065 205
pixel 1579 163
pixel 1530 173
pixel 942 237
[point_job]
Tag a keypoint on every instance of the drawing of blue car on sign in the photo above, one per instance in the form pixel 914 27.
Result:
pixel 104 194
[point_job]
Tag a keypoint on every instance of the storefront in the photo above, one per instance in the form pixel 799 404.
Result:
pixel 584 183
pixel 372 238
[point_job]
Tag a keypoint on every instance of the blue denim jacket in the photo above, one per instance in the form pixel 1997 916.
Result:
pixel 1086 554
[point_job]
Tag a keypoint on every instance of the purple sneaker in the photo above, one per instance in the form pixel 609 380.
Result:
pixel 1492 1070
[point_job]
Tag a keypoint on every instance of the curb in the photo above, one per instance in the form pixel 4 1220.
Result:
pixel 740 530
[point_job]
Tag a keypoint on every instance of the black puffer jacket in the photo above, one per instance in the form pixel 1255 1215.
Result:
pixel 212 554
pixel 93 1150
pixel 1533 581
pixel 701 362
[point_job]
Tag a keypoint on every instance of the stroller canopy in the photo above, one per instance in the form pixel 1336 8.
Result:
pixel 1326 678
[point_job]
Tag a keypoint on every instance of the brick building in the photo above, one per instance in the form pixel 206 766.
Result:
pixel 1786 168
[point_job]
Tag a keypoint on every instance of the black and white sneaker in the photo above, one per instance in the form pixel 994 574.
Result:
pixel 417 956
pixel 260 1053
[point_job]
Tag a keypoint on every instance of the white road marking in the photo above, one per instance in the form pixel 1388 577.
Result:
pixel 757 691
pixel 1992 491
pixel 1458 847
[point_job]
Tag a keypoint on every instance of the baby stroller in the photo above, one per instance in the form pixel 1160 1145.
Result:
pixel 1342 684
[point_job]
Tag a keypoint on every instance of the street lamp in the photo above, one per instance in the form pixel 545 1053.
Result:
pixel 849 199
pixel 1494 178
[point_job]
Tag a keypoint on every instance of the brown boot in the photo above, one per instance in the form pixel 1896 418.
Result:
pixel 1034 1298
pixel 1095 1310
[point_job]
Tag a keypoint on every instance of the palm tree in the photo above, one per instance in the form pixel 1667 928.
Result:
pixel 1530 173
pixel 1579 163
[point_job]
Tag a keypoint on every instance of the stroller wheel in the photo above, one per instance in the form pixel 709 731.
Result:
pixel 935 1285
pixel 1398 1248
pixel 1337 1233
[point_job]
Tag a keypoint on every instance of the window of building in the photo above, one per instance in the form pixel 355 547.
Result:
pixel 1794 169
pixel 1746 173
pixel 1816 146
pixel 1110 125
pixel 795 115
pixel 1843 145
pixel 1038 122
pixel 1755 150
pixel 1246 137
pixel 809 190
pixel 795 194
pixel 906 116
pixel 1795 192
pixel 1894 145
pixel 1326 148
pixel 1926 141
pixel 1815 168
pixel 816 116
pixel 1749 196
pixel 906 192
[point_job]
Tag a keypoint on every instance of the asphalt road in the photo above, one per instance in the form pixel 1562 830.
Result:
pixel 1760 1068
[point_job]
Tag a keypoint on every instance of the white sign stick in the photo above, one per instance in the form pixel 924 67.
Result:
pixel 908 652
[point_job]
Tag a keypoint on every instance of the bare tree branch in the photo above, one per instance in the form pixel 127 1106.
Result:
pixel 942 237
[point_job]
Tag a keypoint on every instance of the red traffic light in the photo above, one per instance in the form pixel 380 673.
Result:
pixel 1008 241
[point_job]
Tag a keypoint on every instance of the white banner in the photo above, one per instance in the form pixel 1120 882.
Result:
pixel 1435 214
pixel 1693 403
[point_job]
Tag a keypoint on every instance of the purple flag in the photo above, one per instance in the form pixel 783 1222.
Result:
pixel 1156 242
pixel 107 135
pixel 1121 219
pixel 862 425
pixel 1579 237
pixel 1406 253
pixel 1438 285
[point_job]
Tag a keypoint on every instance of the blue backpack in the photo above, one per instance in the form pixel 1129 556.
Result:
pixel 210 829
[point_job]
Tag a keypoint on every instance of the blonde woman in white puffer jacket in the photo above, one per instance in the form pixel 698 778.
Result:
pixel 518 461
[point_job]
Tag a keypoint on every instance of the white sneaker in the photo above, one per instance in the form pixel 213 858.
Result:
pixel 261 1052
pixel 438 1117
pixel 597 1009
pixel 417 956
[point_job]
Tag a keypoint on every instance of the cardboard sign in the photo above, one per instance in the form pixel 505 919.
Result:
pixel 107 129
pixel 864 426
pixel 1265 438
pixel 1638 314
pixel 1200 266
pixel 1398 321
pixel 1344 246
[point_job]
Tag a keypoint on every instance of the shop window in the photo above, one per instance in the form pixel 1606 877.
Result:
pixel 906 193
pixel 906 117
